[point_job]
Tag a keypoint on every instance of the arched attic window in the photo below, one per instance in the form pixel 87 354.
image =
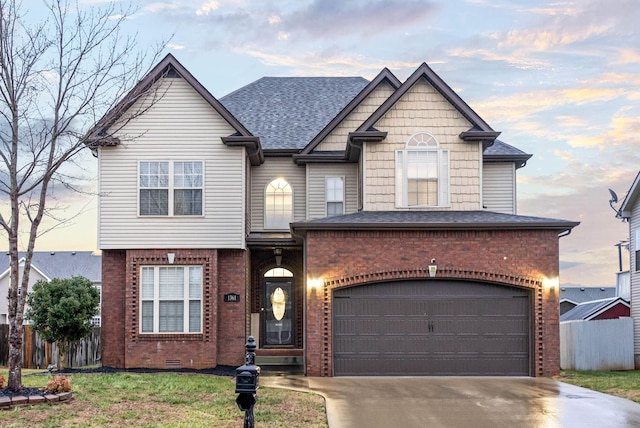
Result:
pixel 278 205
pixel 422 173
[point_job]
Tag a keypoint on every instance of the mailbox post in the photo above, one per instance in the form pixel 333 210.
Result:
pixel 247 380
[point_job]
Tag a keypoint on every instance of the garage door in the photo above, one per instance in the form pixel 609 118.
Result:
pixel 431 328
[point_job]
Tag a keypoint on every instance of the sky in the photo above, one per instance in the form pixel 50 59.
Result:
pixel 560 80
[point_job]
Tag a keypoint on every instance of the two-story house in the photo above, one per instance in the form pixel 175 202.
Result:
pixel 47 265
pixel 358 227
pixel 630 211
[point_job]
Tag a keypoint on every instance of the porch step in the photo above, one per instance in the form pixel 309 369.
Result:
pixel 278 360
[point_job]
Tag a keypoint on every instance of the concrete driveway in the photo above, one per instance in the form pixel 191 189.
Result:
pixel 478 402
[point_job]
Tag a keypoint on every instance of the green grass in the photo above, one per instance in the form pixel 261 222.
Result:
pixel 625 384
pixel 163 400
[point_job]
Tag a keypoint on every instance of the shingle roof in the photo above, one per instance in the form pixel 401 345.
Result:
pixel 63 264
pixel 288 112
pixel 500 151
pixel 588 310
pixel 434 220
pixel 586 294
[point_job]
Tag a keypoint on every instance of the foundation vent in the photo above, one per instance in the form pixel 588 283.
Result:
pixel 172 364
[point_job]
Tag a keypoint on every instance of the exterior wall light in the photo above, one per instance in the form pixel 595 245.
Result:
pixel 277 252
pixel 433 268
pixel 550 283
pixel 314 284
pixel 171 257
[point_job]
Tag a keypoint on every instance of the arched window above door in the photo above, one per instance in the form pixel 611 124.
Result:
pixel 278 205
pixel 278 273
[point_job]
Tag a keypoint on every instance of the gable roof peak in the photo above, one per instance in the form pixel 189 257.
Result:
pixel 480 130
pixel 98 135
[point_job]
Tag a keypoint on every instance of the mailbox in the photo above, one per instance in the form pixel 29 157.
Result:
pixel 247 379
pixel 248 375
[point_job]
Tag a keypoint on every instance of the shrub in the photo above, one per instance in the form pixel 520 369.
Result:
pixel 1 381
pixel 58 384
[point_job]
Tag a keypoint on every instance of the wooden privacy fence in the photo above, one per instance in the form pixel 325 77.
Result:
pixel 38 354
pixel 597 345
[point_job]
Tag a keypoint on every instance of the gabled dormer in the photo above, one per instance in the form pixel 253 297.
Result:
pixel 422 149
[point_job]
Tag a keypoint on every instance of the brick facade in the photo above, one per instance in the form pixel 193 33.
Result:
pixel 519 258
pixel 223 329
pixel 113 315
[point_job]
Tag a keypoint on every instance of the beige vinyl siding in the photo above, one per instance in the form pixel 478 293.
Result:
pixel 180 126
pixel 337 139
pixel 499 187
pixel 272 168
pixel 423 109
pixel 634 273
pixel 316 185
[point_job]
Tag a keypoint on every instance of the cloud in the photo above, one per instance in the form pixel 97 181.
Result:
pixel 514 59
pixel 588 254
pixel 175 46
pixel 207 7
pixel 628 56
pixel 338 17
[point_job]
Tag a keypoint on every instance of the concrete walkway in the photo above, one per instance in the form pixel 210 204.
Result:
pixel 491 402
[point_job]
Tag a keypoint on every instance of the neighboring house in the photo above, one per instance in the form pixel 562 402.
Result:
pixel 355 227
pixel 630 211
pixel 603 309
pixel 47 265
pixel 570 297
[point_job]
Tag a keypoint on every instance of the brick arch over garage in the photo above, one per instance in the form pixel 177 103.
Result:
pixel 496 278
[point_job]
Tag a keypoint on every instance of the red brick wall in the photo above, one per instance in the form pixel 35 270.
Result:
pixel 223 332
pixel 521 258
pixel 113 288
pixel 232 324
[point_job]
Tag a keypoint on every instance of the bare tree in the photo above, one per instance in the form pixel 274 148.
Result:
pixel 57 77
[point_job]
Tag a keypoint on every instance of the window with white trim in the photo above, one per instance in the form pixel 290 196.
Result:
pixel 422 173
pixel 170 188
pixel 334 194
pixel 171 299
pixel 278 205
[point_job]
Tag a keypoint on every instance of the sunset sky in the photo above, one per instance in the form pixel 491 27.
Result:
pixel 560 80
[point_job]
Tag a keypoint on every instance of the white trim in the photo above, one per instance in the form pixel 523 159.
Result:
pixel 264 193
pixel 363 176
pixel 327 201
pixel 171 188
pixel 186 299
pixel 443 183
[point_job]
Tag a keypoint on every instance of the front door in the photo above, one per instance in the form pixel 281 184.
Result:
pixel 278 312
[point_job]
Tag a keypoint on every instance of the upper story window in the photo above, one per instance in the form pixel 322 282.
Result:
pixel 171 299
pixel 170 188
pixel 335 196
pixel 278 201
pixel 422 173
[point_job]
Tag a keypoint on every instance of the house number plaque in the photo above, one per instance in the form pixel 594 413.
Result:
pixel 232 297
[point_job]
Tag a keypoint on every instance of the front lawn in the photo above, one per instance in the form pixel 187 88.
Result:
pixel 163 399
pixel 625 384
